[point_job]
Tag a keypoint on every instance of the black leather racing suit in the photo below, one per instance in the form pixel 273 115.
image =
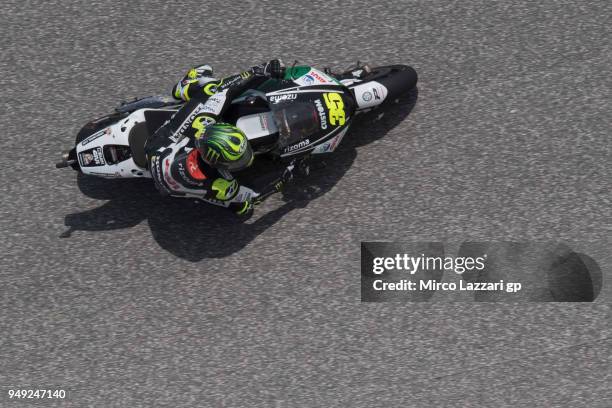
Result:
pixel 175 164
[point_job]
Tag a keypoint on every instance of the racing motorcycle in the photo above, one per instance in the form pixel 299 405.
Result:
pixel 304 113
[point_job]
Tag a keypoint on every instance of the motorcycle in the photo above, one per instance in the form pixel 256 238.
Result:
pixel 304 113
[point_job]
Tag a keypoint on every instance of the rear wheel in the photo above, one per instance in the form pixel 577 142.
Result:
pixel 95 125
pixel 89 129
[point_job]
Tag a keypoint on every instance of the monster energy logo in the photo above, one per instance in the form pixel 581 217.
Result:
pixel 212 155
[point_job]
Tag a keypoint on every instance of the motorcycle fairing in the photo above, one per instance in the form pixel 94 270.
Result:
pixel 309 116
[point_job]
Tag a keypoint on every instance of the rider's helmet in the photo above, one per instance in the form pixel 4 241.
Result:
pixel 225 147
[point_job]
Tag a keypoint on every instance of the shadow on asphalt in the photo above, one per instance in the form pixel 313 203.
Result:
pixel 193 230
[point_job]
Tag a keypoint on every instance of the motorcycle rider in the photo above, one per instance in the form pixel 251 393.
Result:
pixel 194 154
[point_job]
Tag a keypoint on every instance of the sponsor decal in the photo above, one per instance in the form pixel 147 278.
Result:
pixel 263 122
pixel 309 79
pixel 366 96
pixel 93 157
pixel 167 177
pixel 98 156
pixel 157 177
pixel 331 144
pixel 322 115
pixel 214 87
pixel 282 98
pixel 336 141
pixel 193 167
pixel 185 125
pixel 186 179
pixel 214 103
pixel 181 170
pixel 106 175
pixel 291 148
pixel 317 77
pixel 96 135
pixel 212 156
pixel 232 81
pixel 323 148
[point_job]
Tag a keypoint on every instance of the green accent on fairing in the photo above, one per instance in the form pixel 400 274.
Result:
pixel 226 189
pixel 301 70
pixel 296 72
pixel 270 85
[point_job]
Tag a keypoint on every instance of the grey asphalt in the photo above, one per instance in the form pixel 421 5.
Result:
pixel 127 299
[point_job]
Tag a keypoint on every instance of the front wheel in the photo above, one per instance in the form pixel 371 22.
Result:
pixel 381 84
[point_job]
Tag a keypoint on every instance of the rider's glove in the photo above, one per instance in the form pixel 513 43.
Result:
pixel 276 186
pixel 273 69
pixel 287 175
pixel 285 178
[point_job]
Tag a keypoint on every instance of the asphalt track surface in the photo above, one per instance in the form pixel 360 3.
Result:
pixel 127 299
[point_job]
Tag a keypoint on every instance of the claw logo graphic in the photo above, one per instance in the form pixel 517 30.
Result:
pixel 200 123
pixel 212 88
pixel 212 155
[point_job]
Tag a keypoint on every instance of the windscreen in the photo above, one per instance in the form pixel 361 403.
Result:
pixel 296 121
